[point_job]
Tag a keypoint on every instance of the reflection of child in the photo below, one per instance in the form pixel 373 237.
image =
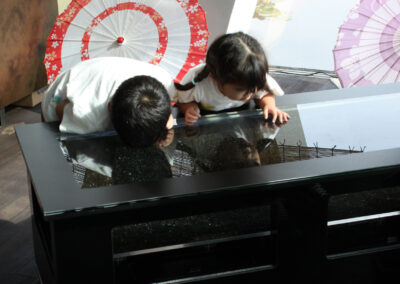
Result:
pixel 235 153
pixel 236 70
pixel 105 92
pixel 104 157
pixel 234 144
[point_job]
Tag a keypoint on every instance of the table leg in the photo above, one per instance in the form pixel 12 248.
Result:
pixel 41 247
pixel 82 251
pixel 302 229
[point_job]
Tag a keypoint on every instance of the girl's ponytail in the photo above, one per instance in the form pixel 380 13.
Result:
pixel 199 77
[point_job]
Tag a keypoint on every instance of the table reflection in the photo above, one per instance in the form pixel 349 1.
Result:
pixel 217 143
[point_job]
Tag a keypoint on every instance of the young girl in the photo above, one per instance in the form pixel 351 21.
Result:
pixel 236 71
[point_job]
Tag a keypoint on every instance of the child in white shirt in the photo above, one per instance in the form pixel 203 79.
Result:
pixel 236 71
pixel 131 96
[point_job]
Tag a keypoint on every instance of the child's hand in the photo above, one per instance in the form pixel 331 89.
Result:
pixel 276 113
pixel 267 103
pixel 192 114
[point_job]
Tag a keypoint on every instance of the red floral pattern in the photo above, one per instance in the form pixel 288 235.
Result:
pixel 194 12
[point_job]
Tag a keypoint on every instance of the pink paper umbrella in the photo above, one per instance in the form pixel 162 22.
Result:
pixel 367 50
pixel 170 33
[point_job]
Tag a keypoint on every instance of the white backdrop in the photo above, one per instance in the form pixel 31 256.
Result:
pixel 353 123
pixel 302 34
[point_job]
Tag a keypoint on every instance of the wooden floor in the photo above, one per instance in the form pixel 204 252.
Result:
pixel 17 263
pixel 16 249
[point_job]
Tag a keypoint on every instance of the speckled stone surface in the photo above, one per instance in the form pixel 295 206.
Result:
pixel 369 202
pixel 191 229
pixel 139 165
pixel 257 219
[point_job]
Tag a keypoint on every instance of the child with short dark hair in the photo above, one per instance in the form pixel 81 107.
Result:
pixel 140 110
pixel 236 70
pixel 98 94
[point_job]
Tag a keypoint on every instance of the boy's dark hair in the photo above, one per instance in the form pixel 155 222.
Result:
pixel 140 109
pixel 234 58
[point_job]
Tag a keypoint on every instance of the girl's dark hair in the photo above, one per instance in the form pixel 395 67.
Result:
pixel 140 109
pixel 234 58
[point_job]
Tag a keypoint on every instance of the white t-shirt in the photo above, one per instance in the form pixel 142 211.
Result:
pixel 89 86
pixel 207 94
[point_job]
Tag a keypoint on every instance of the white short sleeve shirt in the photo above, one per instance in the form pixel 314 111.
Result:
pixel 207 94
pixel 89 86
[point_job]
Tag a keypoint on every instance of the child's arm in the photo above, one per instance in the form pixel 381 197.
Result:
pixel 267 104
pixel 191 111
pixel 60 108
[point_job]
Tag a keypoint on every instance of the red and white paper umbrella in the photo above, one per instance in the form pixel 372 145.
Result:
pixel 170 33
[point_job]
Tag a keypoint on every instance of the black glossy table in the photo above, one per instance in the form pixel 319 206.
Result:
pixel 232 197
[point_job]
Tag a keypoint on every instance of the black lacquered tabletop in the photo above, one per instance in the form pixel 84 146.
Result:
pixel 330 134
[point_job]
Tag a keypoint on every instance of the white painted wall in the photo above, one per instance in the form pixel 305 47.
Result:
pixel 62 4
pixel 307 39
pixel 218 13
pixel 241 16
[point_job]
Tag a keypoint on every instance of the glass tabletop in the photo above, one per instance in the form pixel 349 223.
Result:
pixel 235 140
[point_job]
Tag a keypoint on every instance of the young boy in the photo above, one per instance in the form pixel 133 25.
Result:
pixel 131 96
